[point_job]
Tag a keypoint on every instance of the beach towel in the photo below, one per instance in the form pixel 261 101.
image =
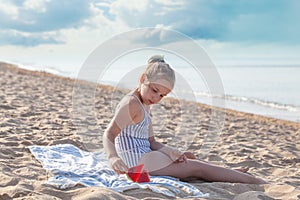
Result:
pixel 72 166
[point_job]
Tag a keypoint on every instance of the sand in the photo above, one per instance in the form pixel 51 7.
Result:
pixel 36 109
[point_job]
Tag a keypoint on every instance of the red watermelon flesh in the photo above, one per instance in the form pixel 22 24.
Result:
pixel 144 177
pixel 135 172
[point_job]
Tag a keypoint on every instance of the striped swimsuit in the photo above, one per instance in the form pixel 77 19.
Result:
pixel 133 142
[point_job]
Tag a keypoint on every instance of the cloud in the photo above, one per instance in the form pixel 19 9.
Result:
pixel 37 15
pixel 32 21
pixel 243 21
pixel 11 37
pixel 240 21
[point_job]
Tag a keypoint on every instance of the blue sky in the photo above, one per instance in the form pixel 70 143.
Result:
pixel 65 32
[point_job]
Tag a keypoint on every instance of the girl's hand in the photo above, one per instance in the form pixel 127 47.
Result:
pixel 118 165
pixel 177 156
pixel 182 158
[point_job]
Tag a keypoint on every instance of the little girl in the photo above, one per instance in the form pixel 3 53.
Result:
pixel 129 139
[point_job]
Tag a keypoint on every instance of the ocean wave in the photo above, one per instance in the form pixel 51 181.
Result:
pixel 264 103
pixel 48 69
pixel 197 94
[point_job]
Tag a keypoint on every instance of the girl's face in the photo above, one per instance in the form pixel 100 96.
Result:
pixel 153 92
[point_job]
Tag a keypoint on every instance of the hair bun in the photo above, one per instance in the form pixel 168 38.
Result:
pixel 156 58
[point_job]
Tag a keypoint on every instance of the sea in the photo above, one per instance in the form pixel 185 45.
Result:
pixel 267 90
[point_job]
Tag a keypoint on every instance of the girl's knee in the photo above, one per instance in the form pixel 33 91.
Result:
pixel 155 160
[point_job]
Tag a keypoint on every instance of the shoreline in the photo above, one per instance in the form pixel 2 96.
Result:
pixel 48 74
pixel 36 109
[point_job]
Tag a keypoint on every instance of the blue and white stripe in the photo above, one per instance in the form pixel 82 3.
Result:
pixel 133 141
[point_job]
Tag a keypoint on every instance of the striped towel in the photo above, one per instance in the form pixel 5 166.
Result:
pixel 71 166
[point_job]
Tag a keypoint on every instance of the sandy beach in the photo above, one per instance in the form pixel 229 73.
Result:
pixel 36 109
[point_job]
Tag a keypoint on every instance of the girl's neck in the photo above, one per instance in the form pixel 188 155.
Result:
pixel 138 94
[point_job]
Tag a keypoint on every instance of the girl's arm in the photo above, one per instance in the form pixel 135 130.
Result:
pixel 173 153
pixel 127 113
pixel 109 146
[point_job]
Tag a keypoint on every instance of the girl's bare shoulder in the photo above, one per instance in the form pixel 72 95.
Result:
pixel 131 105
pixel 135 107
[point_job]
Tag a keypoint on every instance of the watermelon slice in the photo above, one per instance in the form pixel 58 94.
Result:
pixel 144 177
pixel 137 174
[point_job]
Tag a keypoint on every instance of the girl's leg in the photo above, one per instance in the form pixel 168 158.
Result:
pixel 160 164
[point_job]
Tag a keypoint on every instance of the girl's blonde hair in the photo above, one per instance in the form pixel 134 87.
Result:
pixel 158 69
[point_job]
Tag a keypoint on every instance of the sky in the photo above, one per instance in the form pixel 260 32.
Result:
pixel 57 33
